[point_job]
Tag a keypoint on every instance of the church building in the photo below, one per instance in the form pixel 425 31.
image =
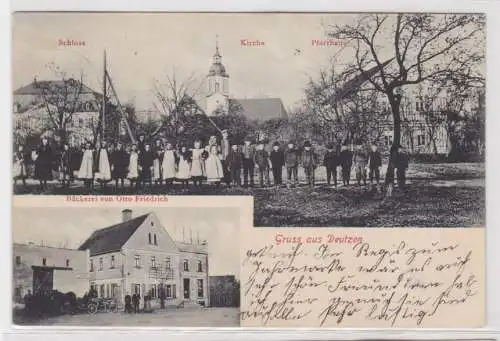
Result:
pixel 219 100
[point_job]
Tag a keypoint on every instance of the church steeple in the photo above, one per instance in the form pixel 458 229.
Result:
pixel 217 84
pixel 217 69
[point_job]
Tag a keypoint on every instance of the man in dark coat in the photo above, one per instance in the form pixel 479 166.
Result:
pixel 43 163
pixel 119 163
pixel 331 161
pixel 401 162
pixel 374 164
pixel 360 160
pixel 248 152
pixel 346 163
pixel 141 143
pixel 277 158
pixel 291 164
pixel 308 161
pixel 234 162
pixel 146 160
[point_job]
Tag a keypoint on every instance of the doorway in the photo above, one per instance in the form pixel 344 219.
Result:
pixel 186 288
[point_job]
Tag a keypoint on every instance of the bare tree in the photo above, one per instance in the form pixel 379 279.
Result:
pixel 175 100
pixel 346 115
pixel 420 47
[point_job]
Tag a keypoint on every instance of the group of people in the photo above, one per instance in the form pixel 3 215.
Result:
pixel 235 164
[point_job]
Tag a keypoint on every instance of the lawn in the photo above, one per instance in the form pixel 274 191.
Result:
pixel 438 195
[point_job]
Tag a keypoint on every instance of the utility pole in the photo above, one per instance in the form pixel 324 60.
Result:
pixel 104 99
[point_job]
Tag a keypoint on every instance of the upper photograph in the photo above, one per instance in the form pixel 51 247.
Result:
pixel 326 119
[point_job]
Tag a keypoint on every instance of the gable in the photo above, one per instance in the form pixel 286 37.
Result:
pixel 139 240
pixel 112 238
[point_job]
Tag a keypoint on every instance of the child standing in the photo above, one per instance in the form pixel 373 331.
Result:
pixel 169 164
pixel 331 161
pixel 214 169
pixel 86 172
pixel 261 159
pixel 291 164
pixel 308 161
pixel 277 162
pixel 183 169
pixel 146 165
pixel 65 166
pixel 133 167
pixel 157 161
pixel 19 171
pixel 346 163
pixel 197 164
pixel 103 169
pixel 374 163
pixel 235 161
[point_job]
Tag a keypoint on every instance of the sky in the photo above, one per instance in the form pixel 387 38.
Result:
pixel 144 48
pixel 70 226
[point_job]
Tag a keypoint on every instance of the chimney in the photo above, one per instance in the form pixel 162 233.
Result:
pixel 126 215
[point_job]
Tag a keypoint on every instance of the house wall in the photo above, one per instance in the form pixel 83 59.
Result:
pixel 27 255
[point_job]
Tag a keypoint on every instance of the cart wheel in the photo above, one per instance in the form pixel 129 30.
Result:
pixel 113 308
pixel 92 308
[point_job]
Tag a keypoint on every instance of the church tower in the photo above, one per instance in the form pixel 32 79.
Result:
pixel 217 86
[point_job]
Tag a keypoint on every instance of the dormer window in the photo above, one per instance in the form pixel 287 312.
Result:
pixel 149 237
pixel 155 241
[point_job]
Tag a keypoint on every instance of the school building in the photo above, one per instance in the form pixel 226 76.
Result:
pixel 41 269
pixel 137 255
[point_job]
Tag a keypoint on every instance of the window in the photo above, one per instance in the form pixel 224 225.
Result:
pixel 107 290
pixel 174 291
pixel 388 140
pixel 169 291
pixel 200 288
pixel 186 265
pixel 137 261
pixel 155 239
pixel 149 235
pixel 217 86
pixel 112 262
pixel 200 266
pixel 420 140
pixel 67 263
pixel 18 293
pixel 44 261
pixel 91 265
pixel 101 291
pixel 101 263
pixel 168 264
pixel 153 262
pixel 152 224
pixel 18 260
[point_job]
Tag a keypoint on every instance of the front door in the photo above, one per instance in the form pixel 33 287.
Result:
pixel 43 280
pixel 186 288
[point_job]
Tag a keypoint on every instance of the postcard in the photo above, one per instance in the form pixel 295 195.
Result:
pixel 354 141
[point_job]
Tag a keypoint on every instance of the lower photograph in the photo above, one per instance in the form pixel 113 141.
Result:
pixel 125 265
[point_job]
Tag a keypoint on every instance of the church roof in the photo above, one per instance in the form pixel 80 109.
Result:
pixel 262 108
pixel 217 69
pixel 112 238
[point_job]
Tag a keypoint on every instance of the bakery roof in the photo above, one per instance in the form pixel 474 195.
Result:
pixel 35 87
pixel 112 238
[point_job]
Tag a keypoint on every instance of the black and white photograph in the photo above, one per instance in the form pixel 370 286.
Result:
pixel 325 119
pixel 126 267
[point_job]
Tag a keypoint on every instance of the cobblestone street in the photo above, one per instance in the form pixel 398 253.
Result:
pixel 186 317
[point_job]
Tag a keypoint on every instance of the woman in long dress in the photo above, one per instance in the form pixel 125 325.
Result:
pixel 213 164
pixel 133 167
pixel 19 171
pixel 169 164
pixel 43 163
pixel 103 168
pixel 86 172
pixel 184 167
pixel 197 164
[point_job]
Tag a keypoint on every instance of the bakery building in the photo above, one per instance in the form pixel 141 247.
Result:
pixel 138 255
